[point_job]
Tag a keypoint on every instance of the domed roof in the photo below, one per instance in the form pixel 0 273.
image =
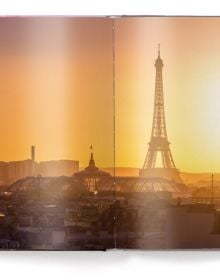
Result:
pixel 52 184
pixel 91 170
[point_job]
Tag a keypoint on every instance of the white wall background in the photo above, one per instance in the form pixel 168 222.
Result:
pixel 110 265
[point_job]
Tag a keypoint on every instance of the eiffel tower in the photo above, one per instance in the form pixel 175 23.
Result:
pixel 159 144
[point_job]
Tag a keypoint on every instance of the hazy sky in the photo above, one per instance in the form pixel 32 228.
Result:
pixel 190 49
pixel 56 88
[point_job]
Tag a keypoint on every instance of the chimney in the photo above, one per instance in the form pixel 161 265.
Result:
pixel 33 153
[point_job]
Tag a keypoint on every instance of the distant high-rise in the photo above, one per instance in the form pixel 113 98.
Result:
pixel 15 170
pixel 33 163
pixel 55 168
pixel 33 153
pixel 159 161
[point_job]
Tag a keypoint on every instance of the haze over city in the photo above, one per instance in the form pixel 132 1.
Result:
pixel 74 91
pixel 46 102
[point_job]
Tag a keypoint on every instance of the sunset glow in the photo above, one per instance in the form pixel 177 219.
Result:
pixel 191 74
pixel 56 89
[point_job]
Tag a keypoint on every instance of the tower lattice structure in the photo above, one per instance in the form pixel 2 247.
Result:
pixel 159 143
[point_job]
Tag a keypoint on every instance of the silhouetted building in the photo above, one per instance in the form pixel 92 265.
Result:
pixel 93 177
pixel 15 170
pixel 20 169
pixel 55 168
pixel 33 153
pixel 4 175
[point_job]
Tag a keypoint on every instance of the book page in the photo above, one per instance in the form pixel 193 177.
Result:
pixel 56 126
pixel 167 132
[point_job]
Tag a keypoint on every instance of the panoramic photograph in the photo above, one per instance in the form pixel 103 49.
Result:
pixel 110 133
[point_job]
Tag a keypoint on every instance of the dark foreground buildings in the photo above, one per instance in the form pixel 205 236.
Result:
pixel 94 211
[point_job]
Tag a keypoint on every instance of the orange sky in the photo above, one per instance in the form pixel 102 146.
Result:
pixel 190 49
pixel 56 88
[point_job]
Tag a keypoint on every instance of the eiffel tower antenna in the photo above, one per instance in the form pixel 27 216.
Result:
pixel 159 144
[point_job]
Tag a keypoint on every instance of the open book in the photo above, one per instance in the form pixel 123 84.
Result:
pixel 122 118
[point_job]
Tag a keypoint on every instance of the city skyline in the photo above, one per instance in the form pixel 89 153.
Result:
pixel 43 71
pixel 124 115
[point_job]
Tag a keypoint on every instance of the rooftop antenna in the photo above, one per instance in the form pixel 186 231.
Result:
pixel 91 153
pixel 212 190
